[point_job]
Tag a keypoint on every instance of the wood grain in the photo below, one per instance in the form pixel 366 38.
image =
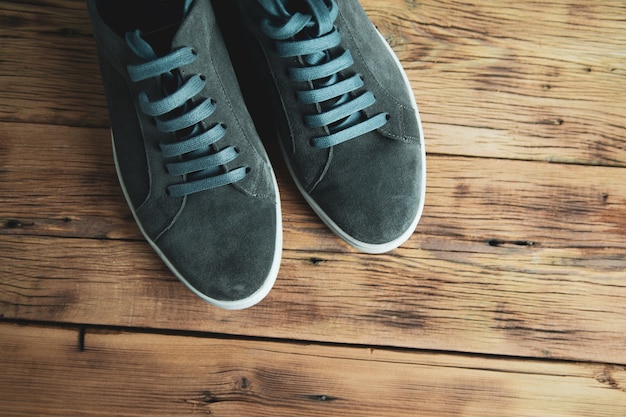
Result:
pixel 64 183
pixel 509 79
pixel 508 300
pixel 49 71
pixel 506 80
pixel 61 372
pixel 511 258
pixel 543 303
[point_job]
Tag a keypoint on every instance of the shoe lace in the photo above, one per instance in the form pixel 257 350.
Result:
pixel 313 39
pixel 196 160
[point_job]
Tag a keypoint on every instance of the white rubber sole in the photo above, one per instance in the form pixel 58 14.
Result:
pixel 249 301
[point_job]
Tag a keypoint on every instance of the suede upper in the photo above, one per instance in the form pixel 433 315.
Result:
pixel 224 243
pixel 369 189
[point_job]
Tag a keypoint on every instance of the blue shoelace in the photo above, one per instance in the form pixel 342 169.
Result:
pixel 314 39
pixel 175 113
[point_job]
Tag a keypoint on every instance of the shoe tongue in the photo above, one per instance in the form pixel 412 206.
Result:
pixel 323 15
pixel 161 21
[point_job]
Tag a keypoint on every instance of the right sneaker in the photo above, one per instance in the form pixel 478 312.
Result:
pixel 190 162
pixel 347 120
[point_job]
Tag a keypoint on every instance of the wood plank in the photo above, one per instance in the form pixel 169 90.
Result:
pixel 58 372
pixel 497 80
pixel 64 184
pixel 61 181
pixel 515 79
pixel 534 302
pixel 49 71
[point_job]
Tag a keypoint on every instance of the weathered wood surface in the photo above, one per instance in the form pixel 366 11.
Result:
pixel 520 259
pixel 66 372
pixel 515 80
pixel 510 79
pixel 512 258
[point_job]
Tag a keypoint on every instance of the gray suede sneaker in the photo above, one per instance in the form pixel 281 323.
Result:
pixel 347 119
pixel 189 160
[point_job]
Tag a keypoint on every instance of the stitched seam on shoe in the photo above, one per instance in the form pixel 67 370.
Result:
pixel 324 171
pixel 236 118
pixel 143 139
pixel 174 219
pixel 346 28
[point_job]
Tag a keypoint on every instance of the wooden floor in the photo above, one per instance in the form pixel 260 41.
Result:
pixel 509 300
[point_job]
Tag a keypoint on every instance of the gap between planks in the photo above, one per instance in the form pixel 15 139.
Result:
pixel 124 373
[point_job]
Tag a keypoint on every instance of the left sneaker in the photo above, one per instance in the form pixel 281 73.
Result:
pixel 191 165
pixel 347 119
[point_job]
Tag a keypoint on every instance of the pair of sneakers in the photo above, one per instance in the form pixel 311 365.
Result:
pixel 188 155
